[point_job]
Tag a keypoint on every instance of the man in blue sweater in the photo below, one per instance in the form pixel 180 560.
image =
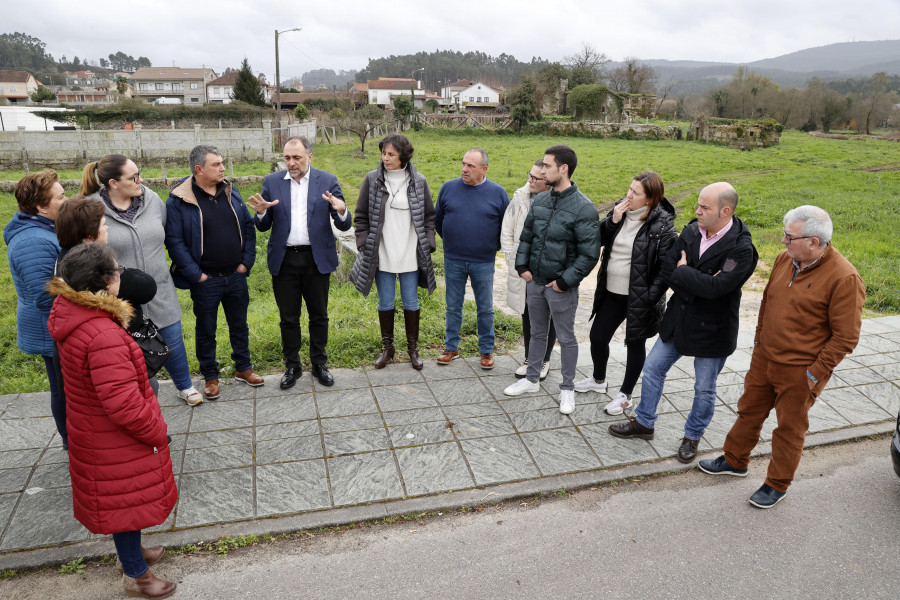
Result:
pixel 469 214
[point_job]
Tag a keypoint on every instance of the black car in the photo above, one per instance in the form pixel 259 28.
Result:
pixel 895 448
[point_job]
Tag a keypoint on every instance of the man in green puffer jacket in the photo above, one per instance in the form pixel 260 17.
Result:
pixel 558 247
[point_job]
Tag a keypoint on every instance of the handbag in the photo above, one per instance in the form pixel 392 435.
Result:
pixel 152 344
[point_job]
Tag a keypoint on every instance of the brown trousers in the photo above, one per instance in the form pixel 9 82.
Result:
pixel 785 388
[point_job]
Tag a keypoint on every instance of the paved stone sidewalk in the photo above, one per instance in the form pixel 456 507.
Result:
pixel 398 433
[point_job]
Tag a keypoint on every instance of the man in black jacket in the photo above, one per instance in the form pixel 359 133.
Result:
pixel 712 258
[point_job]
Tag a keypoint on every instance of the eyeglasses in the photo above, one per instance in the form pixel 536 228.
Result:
pixel 533 179
pixel 791 238
pixel 135 178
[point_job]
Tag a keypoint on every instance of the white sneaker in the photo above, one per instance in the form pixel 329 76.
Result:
pixel 566 402
pixel 589 384
pixel 191 396
pixel 522 370
pixel 545 370
pixel 522 386
pixel 618 404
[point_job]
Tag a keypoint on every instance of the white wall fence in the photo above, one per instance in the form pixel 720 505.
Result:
pixel 73 149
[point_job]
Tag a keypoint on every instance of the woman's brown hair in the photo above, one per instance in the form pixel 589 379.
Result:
pixel 654 189
pixel 34 190
pixel 79 220
pixel 99 172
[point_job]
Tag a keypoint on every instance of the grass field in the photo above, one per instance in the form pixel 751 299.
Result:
pixel 843 176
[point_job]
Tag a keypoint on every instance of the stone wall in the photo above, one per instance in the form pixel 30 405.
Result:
pixel 741 135
pixel 72 149
pixel 636 131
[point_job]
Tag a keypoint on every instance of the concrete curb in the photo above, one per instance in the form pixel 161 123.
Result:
pixel 94 549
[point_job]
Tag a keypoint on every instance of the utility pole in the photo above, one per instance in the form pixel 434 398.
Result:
pixel 278 86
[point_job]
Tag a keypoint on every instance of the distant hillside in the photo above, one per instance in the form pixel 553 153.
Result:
pixel 834 61
pixel 856 57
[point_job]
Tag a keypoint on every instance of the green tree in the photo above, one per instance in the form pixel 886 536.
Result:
pixel 301 112
pixel 432 105
pixel 246 86
pixel 41 94
pixel 523 105
pixel 404 108
pixel 21 51
pixel 588 101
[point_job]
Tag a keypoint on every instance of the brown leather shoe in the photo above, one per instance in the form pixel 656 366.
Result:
pixel 447 356
pixel 151 556
pixel 211 389
pixel 487 361
pixel 147 586
pixel 631 429
pixel 687 452
pixel 249 377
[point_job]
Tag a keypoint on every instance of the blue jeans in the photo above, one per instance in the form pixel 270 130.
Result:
pixel 177 364
pixel 706 371
pixel 231 291
pixel 387 289
pixel 482 276
pixel 128 547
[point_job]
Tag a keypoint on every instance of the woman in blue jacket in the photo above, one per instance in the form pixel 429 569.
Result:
pixel 32 250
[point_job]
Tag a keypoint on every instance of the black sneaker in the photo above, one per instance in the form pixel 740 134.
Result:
pixel 720 466
pixel 766 497
pixel 631 429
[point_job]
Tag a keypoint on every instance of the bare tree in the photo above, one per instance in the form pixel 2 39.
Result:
pixel 588 58
pixel 663 92
pixel 360 122
pixel 633 77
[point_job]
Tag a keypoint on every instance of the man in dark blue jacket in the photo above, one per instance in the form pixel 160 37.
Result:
pixel 468 216
pixel 299 204
pixel 712 258
pixel 212 244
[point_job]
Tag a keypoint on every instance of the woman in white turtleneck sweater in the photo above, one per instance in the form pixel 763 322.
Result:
pixel 635 234
pixel 394 221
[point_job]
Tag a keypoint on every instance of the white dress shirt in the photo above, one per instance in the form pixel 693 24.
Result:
pixel 299 234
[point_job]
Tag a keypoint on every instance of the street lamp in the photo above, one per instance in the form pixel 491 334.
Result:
pixel 412 86
pixel 278 82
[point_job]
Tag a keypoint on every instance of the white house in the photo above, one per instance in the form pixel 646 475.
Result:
pixel 479 93
pixel 451 90
pixel 383 90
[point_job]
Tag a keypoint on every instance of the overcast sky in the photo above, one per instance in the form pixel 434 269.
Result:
pixel 344 34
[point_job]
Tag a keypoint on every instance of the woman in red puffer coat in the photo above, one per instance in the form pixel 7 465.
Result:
pixel 119 459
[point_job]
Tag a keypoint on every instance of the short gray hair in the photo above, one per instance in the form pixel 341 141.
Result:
pixel 484 156
pixel 198 155
pixel 302 139
pixel 816 222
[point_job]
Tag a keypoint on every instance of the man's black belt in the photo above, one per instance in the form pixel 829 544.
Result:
pixel 298 248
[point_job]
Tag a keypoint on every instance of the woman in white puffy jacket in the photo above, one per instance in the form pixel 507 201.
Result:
pixel 513 221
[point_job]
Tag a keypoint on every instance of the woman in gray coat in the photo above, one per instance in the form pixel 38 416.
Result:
pixel 136 217
pixel 394 222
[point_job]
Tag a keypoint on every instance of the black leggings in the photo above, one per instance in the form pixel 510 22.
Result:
pixel 611 314
pixel 526 332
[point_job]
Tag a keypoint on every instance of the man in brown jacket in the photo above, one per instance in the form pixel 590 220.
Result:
pixel 809 320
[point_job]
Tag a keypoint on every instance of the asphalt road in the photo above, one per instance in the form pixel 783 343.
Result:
pixel 836 535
